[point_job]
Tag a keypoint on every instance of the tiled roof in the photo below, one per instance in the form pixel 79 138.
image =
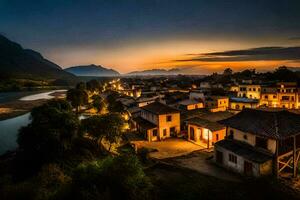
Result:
pixel 244 150
pixel 213 126
pixel 159 108
pixel 144 123
pixel 270 124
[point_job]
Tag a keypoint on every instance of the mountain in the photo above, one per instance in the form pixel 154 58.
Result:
pixel 92 70
pixel 153 72
pixel 294 69
pixel 19 63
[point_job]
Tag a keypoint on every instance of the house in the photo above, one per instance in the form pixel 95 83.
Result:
pixel 158 121
pixel 281 95
pixel 217 103
pixel 205 132
pixel 196 95
pixel 239 103
pixel 269 97
pixel 250 91
pixel 189 104
pixel 260 142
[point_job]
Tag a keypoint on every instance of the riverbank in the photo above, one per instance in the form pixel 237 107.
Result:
pixel 19 107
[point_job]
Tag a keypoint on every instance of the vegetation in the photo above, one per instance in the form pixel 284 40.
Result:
pixel 78 97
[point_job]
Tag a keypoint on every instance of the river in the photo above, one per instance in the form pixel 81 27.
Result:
pixel 9 128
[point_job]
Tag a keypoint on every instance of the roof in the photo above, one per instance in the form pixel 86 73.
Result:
pixel 245 150
pixel 243 100
pixel 270 124
pixel 159 108
pixel 144 123
pixel 188 102
pixel 213 98
pixel 213 126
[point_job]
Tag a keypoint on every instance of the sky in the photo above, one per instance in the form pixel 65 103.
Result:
pixel 197 36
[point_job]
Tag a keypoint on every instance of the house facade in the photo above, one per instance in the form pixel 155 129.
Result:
pixel 204 132
pixel 281 95
pixel 190 104
pixel 250 91
pixel 260 142
pixel 158 121
pixel 217 103
pixel 239 103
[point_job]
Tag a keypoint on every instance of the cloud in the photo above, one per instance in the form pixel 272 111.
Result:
pixel 253 54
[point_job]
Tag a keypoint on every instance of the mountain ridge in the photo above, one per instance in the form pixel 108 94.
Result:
pixel 92 70
pixel 19 63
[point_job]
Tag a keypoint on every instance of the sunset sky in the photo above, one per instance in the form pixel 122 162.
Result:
pixel 200 36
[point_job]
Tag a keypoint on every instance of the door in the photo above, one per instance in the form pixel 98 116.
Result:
pixel 248 168
pixel 173 131
pixel 219 157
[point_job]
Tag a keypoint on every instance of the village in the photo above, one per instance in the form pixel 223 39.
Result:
pixel 246 128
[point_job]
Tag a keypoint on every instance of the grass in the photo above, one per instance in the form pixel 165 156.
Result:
pixel 184 184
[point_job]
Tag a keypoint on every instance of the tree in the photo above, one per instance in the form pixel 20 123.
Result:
pixel 81 86
pixel 283 74
pixel 95 126
pixel 227 72
pixel 98 103
pixel 119 177
pixel 93 85
pixel 114 127
pixel 109 126
pixel 77 97
pixel 49 135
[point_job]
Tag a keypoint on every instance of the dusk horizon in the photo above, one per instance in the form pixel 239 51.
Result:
pixel 196 36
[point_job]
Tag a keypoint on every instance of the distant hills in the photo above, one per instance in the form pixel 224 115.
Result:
pixel 92 70
pixel 153 72
pixel 19 63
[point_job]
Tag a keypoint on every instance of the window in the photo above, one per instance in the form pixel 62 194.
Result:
pixel 266 96
pixel 232 158
pixel 154 133
pixel 261 142
pixel 274 96
pixel 285 98
pixel 169 118
pixel 245 137
pixel 165 132
pixel 254 89
pixel 217 137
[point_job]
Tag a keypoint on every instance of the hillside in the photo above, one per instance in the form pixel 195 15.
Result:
pixel 92 70
pixel 19 63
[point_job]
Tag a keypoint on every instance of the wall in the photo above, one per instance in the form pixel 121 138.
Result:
pixel 239 166
pixel 150 136
pixel 212 135
pixel 241 106
pixel 249 91
pixel 195 106
pixel 239 135
pixel 163 124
